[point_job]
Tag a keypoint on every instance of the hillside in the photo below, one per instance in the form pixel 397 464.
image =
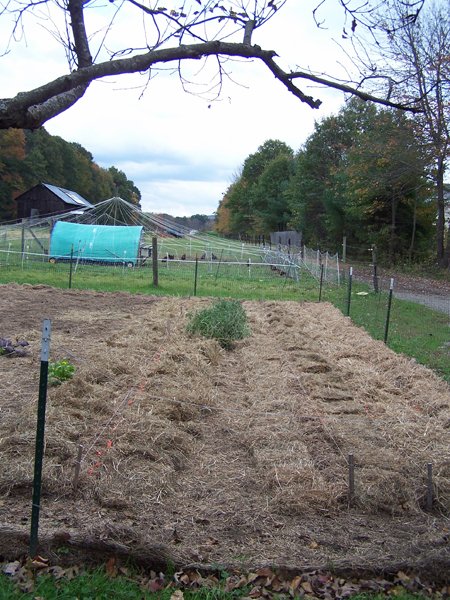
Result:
pixel 31 157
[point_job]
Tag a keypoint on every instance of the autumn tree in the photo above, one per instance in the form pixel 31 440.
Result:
pixel 222 223
pixel 98 41
pixel 386 187
pixel 123 187
pixel 12 153
pixel 31 157
pixel 362 175
pixel 317 189
pixel 413 65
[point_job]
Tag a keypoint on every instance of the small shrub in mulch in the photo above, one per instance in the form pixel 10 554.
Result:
pixel 225 321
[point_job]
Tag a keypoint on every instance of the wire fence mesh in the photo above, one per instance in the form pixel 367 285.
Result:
pixel 189 267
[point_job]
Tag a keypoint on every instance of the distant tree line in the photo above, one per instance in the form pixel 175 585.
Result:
pixel 195 222
pixel 31 157
pixel 362 174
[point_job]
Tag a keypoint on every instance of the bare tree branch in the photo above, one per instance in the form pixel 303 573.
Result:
pixel 32 108
pixel 354 91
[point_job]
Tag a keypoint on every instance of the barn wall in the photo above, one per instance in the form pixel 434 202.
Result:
pixel 42 200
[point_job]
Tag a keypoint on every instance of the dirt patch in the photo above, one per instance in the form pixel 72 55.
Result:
pixel 202 456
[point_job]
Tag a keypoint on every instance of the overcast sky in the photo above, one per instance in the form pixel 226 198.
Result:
pixel 180 150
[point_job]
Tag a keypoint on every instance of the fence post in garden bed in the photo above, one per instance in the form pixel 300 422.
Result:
pixel 40 431
pixel 218 265
pixel 388 314
pixel 321 283
pixel 195 275
pixel 349 291
pixel 375 269
pixel 71 267
pixel 155 260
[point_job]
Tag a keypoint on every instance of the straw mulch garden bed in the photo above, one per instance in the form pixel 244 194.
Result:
pixel 203 456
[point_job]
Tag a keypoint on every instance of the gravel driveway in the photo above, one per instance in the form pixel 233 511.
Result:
pixel 429 292
pixel 435 301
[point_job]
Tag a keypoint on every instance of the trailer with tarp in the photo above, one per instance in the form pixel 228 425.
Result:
pixel 101 244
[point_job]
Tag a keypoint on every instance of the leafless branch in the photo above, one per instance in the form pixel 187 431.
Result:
pixel 206 30
pixel 354 91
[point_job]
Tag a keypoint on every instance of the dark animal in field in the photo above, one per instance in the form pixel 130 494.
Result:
pixel 183 257
pixel 280 272
pixel 168 257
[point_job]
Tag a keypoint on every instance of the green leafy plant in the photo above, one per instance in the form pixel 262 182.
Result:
pixel 60 371
pixel 225 321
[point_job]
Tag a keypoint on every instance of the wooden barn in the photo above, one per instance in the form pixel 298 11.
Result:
pixel 46 199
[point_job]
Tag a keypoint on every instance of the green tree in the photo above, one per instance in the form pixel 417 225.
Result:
pixel 257 200
pixel 271 203
pixel 124 187
pixel 358 175
pixel 386 186
pixel 238 201
pixel 317 190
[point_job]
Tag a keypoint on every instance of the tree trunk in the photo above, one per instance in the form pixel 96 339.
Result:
pixel 393 229
pixel 414 226
pixel 440 211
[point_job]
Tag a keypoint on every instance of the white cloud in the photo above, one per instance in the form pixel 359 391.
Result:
pixel 180 150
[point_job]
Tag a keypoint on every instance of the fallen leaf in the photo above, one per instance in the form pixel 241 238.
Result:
pixel 111 567
pixel 234 582
pixel 155 585
pixel 295 583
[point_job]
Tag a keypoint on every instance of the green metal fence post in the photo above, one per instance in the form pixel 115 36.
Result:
pixel 195 275
pixel 321 283
pixel 388 313
pixel 70 268
pixel 155 260
pixel 349 290
pixel 40 431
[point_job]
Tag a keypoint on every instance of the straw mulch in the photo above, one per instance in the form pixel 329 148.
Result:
pixel 214 457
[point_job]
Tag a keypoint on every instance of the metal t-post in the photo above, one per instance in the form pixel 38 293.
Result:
pixel 388 314
pixel 349 290
pixel 155 260
pixel 40 431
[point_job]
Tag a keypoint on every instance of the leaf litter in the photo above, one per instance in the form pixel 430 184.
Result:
pixel 196 456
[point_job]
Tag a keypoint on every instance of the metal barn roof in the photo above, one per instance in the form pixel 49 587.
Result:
pixel 68 196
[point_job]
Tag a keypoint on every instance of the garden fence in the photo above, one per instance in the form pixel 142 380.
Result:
pixel 254 272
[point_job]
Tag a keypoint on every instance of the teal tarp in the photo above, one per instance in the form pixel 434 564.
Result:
pixel 105 243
